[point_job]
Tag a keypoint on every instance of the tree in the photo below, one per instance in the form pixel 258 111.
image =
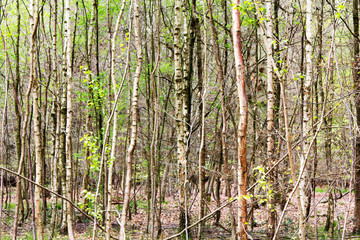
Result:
pixel 242 125
pixel 67 71
pixel 181 115
pixel 307 105
pixel 134 119
pixel 114 134
pixel 356 79
pixel 270 116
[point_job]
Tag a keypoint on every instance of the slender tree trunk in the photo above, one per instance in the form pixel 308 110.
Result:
pixel 22 159
pixel 56 120
pixel 26 114
pixel 306 105
pixel 318 89
pixel 157 107
pixel 31 192
pixel 291 159
pixel 2 143
pixel 62 163
pixel 68 78
pixel 18 114
pixel 114 133
pixel 155 133
pixel 356 77
pixel 181 112
pixel 17 83
pixel 34 6
pixel 202 86
pixel 134 119
pixel 242 127
pixel 328 119
pixel 17 109
pixel 270 118
pixel 168 162
pixel 38 160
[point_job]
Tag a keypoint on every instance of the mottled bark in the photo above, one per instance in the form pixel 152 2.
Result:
pixel 134 120
pixel 34 6
pixel 180 115
pixel 56 123
pixel 270 117
pixel 67 71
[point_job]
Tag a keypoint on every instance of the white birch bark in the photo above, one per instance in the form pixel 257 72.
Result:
pixel 114 133
pixel 68 76
pixel 54 182
pixel 270 112
pixel 306 105
pixel 34 6
pixel 134 122
pixel 181 112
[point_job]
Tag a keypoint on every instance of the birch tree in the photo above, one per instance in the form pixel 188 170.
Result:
pixel 134 119
pixel 34 9
pixel 67 71
pixel 270 115
pixel 307 126
pixel 115 128
pixel 180 115
pixel 242 126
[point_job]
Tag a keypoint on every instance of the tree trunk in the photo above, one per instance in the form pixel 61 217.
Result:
pixel 56 123
pixel 202 86
pixel 306 106
pixel 114 133
pixel 242 127
pixel 270 118
pixel 68 77
pixel 2 140
pixel 356 77
pixel 26 114
pixel 37 128
pixel 154 85
pixel 134 120
pixel 38 159
pixel 181 115
pixel 291 159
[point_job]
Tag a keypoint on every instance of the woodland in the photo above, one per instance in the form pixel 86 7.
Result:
pixel 179 119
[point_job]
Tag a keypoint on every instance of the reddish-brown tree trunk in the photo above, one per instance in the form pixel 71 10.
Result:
pixel 242 127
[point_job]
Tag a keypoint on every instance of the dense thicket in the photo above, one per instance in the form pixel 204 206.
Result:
pixel 154 118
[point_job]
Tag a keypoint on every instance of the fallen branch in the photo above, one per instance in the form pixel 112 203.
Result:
pixel 341 195
pixel 224 228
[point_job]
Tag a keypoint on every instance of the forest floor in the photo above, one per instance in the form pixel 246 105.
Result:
pixel 169 217
pixel 289 227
